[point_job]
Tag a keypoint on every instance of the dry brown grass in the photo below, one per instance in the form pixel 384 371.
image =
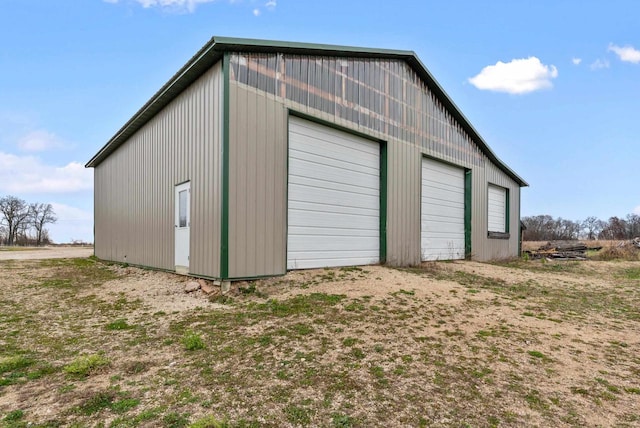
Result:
pixel 524 343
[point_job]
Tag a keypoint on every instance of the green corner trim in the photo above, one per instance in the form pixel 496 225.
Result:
pixel 519 224
pixel 224 230
pixel 467 213
pixel 286 197
pixel 507 215
pixel 383 202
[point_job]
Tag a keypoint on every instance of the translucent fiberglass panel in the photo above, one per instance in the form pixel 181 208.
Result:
pixel 383 96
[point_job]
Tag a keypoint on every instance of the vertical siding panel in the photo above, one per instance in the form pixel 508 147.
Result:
pixel 269 183
pixel 250 189
pixel 262 213
pixel 280 177
pixel 479 213
pixel 236 178
pixel 258 174
pixel 134 186
pixel 403 210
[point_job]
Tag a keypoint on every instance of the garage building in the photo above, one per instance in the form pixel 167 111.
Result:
pixel 259 157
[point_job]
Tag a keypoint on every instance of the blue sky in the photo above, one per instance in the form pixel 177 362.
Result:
pixel 553 86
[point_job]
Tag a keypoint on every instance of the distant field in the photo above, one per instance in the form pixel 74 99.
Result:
pixel 5 248
pixel 36 253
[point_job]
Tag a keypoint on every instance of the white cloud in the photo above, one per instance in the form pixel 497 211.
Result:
pixel 520 76
pixel 70 213
pixel 38 141
pixel 636 210
pixel 177 5
pixel 189 6
pixel 576 61
pixel 626 53
pixel 270 5
pixel 28 174
pixel 73 224
pixel 599 64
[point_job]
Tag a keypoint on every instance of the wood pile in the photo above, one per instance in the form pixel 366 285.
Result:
pixel 573 250
pixel 560 251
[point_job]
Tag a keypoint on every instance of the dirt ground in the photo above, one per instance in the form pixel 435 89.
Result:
pixel 444 344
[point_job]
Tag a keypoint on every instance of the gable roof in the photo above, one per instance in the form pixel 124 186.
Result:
pixel 215 48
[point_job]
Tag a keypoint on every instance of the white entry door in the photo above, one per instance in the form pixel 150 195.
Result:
pixel 443 236
pixel 333 197
pixel 182 226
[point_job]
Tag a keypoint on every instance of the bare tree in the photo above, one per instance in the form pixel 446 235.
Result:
pixel 633 226
pixel 15 212
pixel 616 228
pixel 592 226
pixel 546 228
pixel 41 215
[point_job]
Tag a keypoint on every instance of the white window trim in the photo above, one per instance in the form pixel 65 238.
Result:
pixel 497 216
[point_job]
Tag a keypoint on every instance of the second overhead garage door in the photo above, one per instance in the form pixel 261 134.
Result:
pixel 333 197
pixel 443 236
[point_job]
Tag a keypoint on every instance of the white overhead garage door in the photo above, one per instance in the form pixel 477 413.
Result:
pixel 333 197
pixel 442 211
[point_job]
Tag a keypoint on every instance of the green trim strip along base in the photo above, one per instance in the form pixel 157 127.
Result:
pixel 224 230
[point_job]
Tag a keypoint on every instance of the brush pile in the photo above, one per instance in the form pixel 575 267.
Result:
pixel 574 250
pixel 560 251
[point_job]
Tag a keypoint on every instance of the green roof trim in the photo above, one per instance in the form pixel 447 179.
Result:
pixel 213 51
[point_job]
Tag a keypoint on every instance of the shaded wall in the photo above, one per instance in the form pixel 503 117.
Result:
pixel 134 186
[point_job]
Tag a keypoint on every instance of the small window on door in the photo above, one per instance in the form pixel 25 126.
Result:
pixel 183 209
pixel 498 212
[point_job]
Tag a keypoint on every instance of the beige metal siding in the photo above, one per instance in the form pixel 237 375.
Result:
pixel 257 184
pixel 484 248
pixel 379 98
pixel 403 203
pixel 134 186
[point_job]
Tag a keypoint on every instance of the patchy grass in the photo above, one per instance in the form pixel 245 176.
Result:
pixel 13 363
pixel 119 324
pixel 515 343
pixel 84 365
pixel 192 341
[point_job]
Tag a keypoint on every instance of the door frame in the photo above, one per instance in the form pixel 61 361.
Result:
pixel 383 178
pixel 467 202
pixel 179 188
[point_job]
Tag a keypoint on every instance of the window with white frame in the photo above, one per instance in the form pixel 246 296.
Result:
pixel 498 205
